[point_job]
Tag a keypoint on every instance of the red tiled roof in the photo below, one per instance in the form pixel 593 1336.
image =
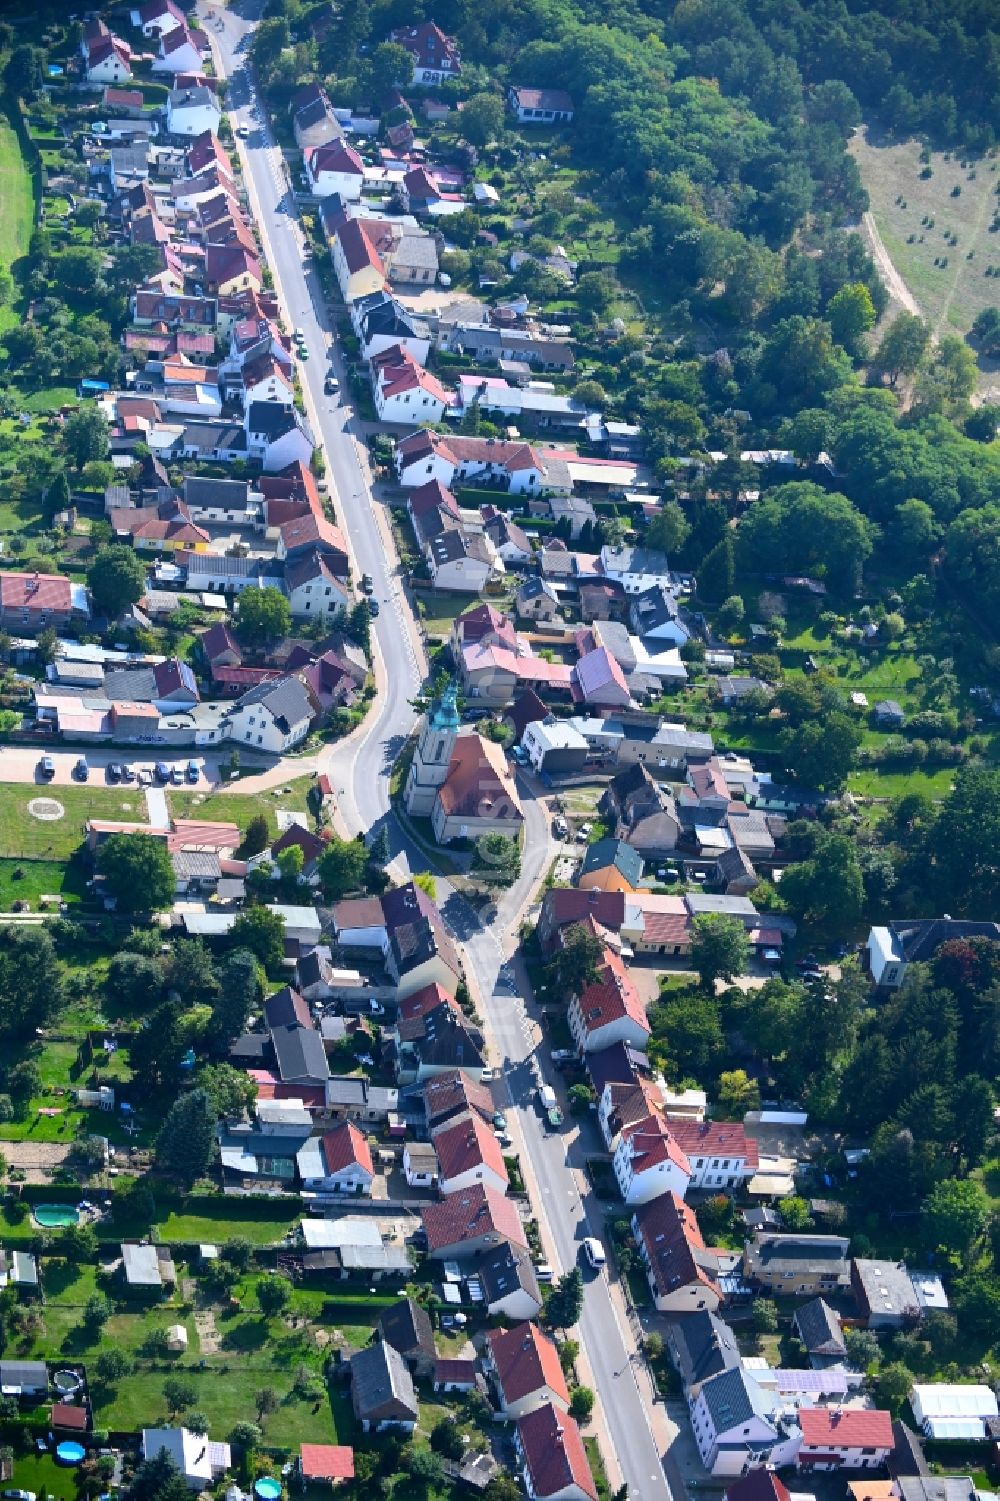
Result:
pixel 326 1461
pixel 335 156
pixel 453 1090
pixel 835 1428
pixel 344 1146
pixel 554 1453
pixel 652 1142
pixel 526 1360
pixel 429 47
pixel 35 591
pixel 612 996
pixel 465 1145
pixel 671 1236
pixel 467 1215
pixel 715 1139
pixel 357 248
pixel 66 1416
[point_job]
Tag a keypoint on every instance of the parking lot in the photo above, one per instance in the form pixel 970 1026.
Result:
pixel 22 764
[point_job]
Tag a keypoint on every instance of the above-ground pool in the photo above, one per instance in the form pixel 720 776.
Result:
pixel 71 1454
pixel 267 1489
pixel 56 1216
pixel 67 1382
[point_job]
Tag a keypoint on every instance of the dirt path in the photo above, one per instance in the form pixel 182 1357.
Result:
pixel 897 287
pixel 36 1158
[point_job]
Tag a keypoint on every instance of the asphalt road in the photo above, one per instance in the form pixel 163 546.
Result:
pixel 360 769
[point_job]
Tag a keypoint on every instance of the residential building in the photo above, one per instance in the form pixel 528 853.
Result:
pixel 599 681
pixel 469 1153
pixel 30 602
pixel 198 1460
pixel 339 1161
pixel 844 1438
pixel 637 569
pixel 550 1447
pixel 406 393
pixel 146 1268
pixel 610 865
pixel 468 1223
pixel 648 1162
pixel 448 458
pixel 798 1265
pixel 523 1364
pixel 420 1164
pixel 452 1093
pixel 192 111
pixel 510 1286
pixel 644 813
pixel 890 950
pixel 382 1391
pixel 720 1153
pixel 381 323
pixel 554 746
pixel 655 615
pixel 885 1295
pixel 334 168
pixel 609 1009
pixel 158 18
pixel 536 599
pixel 272 717
pixel 359 267
pixel 701 1346
pixel 276 436
pixel 738 1425
pixel 107 60
pixel 24 1378
pixel 406 1326
pixel 435 56
pixel 180 52
pixel 541 106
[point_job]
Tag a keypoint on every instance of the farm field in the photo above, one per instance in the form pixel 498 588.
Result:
pixel 902 202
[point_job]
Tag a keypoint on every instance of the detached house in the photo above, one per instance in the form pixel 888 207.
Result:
pixel 525 1370
pixel 541 106
pixel 157 19
pixel 608 1010
pixel 313 120
pixel 720 1153
pixel 271 717
pixel 192 111
pixel 448 458
pixel 107 60
pixel 844 1438
pixel 404 391
pixel 435 56
pixel 179 52
pixel 469 1153
pixel 334 168
pixel 510 1286
pixel 357 263
pixel 801 1265
pixel 339 1161
pixel 382 1390
pixel 29 602
pixel 683 1275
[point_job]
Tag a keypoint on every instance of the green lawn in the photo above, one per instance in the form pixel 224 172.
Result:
pixel 28 880
pixel 17 199
pixel 438 610
pixel 239 807
pixel 264 1225
pixel 254 1353
pixel 24 837
pixel 40 1474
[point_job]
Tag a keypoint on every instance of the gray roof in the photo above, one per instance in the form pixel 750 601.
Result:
pixel 801 1252
pixel 407 1327
pixel 381 1386
pixel 24 1373
pixel 286 699
pixel 653 608
pixel 886 1288
pixel 269 418
pixel 504 1270
pixel 130 685
pixel 199 491
pixel 733 1398
pixel 819 1328
pixel 936 1488
pixel 300 1055
pixel 705 1346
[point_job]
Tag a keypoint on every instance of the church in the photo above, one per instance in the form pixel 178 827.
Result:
pixel 460 781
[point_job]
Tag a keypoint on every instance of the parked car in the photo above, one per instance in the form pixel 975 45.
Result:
pixel 373 608
pixel 500 1120
pixel 583 833
pixel 177 776
pixel 128 775
pixel 145 777
pixel 81 770
pixel 192 771
pixel 115 771
pixel 594 1252
pixel 367 584
pixel 544 1272
pixel 331 385
pixel 161 771
pixel 448 1321
pixel 560 826
pixel 46 768
pixel 562 1055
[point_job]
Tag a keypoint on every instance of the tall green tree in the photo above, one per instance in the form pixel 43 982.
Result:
pixel 264 615
pixel 32 984
pixel 720 948
pixel 186 1142
pixel 342 867
pixel 116 579
pixel 262 931
pixel 137 872
pixel 241 991
pixel 956 1214
pixel 85 436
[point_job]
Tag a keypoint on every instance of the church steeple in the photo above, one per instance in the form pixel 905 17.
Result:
pixel 432 757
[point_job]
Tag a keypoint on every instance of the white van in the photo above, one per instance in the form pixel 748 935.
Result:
pixel 594 1252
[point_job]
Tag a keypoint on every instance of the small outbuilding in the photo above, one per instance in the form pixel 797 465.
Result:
pixel 177 1337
